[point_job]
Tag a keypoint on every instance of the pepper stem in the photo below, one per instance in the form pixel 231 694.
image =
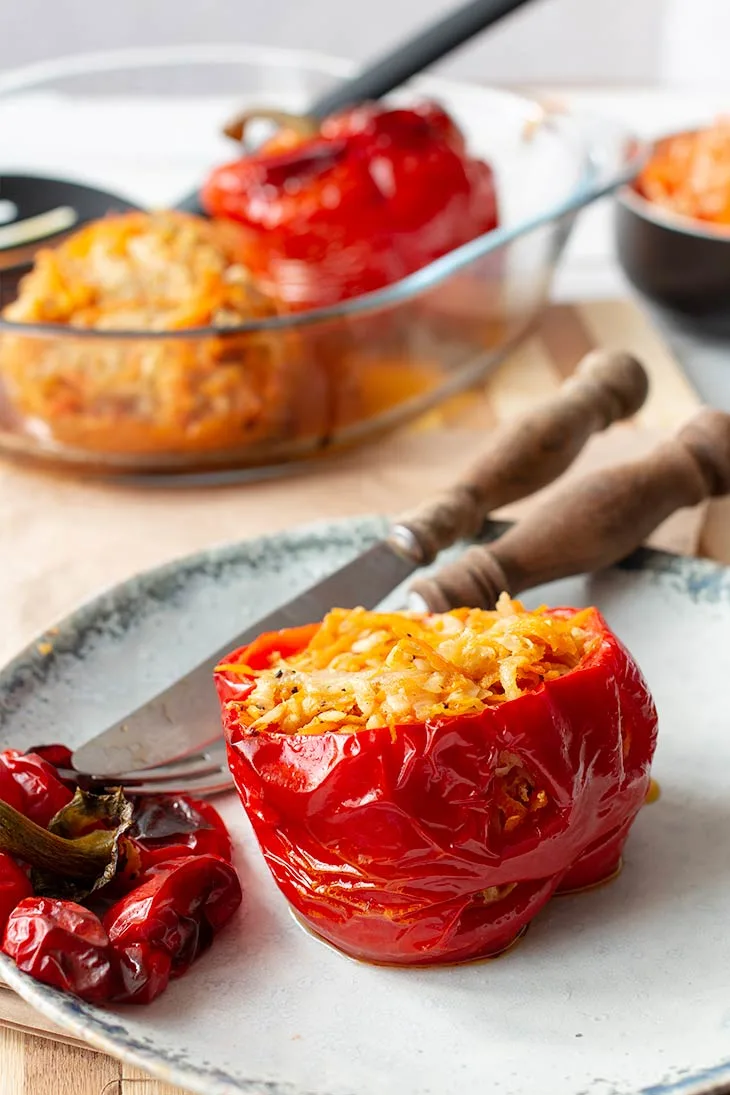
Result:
pixel 84 857
pixel 299 123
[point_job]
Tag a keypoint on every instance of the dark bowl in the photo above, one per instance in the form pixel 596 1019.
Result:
pixel 680 264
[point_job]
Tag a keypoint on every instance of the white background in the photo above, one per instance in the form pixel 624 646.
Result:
pixel 678 42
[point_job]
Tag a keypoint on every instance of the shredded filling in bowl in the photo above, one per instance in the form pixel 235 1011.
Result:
pixel 689 174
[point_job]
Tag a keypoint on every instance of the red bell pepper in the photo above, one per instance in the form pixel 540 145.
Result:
pixel 373 195
pixel 399 845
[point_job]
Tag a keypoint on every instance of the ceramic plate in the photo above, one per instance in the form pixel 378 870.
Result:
pixel 622 989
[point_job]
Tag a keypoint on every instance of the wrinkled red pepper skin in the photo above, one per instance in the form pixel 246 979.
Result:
pixel 385 843
pixel 177 908
pixel 58 756
pixel 66 945
pixel 14 887
pixel 140 973
pixel 61 944
pixel 30 784
pixel 375 195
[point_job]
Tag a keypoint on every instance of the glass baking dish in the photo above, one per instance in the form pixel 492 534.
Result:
pixel 256 398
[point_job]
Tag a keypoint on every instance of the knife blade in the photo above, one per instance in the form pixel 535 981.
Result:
pixel 186 715
pixel 526 455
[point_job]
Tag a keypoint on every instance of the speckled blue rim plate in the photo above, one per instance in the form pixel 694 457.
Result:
pixel 621 990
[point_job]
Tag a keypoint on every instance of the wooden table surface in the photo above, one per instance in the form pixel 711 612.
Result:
pixel 39 1066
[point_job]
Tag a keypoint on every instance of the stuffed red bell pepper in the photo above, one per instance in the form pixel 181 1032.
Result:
pixel 421 785
pixel 371 195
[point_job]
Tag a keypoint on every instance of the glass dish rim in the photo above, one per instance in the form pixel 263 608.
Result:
pixel 589 188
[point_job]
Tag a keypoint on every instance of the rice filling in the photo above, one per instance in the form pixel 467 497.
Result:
pixel 363 670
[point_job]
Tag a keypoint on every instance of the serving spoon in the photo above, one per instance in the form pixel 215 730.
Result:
pixel 45 209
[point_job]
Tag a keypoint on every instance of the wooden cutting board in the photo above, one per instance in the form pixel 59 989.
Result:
pixel 37 1058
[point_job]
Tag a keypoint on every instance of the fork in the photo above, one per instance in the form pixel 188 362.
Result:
pixel 204 772
pixel 589 524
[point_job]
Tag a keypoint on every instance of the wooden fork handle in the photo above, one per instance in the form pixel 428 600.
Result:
pixel 593 522
pixel 527 454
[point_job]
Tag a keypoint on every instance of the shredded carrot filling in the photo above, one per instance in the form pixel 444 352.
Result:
pixel 690 174
pixel 515 793
pixel 363 670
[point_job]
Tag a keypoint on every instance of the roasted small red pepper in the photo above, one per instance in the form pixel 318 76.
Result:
pixel 170 826
pixel 164 893
pixel 66 945
pixel 177 908
pixel 14 887
pixel 59 757
pixel 63 944
pixel 30 784
pixel 398 844
pixel 152 934
pixel 375 194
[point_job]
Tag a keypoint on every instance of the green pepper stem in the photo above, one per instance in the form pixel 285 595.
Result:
pixel 84 857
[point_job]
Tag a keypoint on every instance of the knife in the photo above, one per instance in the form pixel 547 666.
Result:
pixel 591 523
pixel 519 459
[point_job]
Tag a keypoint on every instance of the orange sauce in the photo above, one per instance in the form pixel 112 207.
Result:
pixel 654 792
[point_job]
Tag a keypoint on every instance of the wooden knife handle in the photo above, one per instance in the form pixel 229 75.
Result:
pixel 527 454
pixel 593 522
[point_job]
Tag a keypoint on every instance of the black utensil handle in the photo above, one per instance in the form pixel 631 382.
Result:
pixel 410 58
pixel 191 204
